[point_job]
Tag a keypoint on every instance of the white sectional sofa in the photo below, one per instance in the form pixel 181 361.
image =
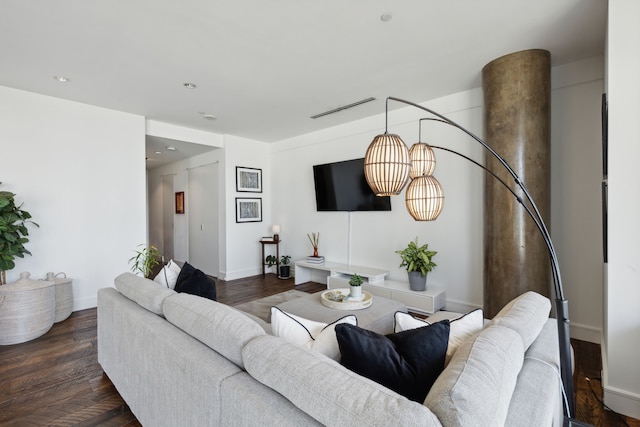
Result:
pixel 179 359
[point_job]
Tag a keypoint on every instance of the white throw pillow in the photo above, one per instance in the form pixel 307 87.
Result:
pixel 317 336
pixel 168 276
pixel 461 328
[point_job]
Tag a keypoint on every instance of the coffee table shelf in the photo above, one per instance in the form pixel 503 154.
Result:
pixel 336 276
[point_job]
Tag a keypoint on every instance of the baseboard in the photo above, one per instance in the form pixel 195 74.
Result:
pixel 84 303
pixel 585 333
pixel 622 401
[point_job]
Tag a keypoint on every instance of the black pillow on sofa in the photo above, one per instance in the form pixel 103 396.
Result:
pixel 407 362
pixel 194 281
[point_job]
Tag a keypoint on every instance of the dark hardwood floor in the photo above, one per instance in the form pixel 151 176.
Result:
pixel 55 380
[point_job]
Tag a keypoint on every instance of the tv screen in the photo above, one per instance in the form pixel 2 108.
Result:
pixel 341 186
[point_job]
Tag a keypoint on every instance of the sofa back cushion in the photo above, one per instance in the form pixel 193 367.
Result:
pixel 526 315
pixel 222 328
pixel 328 392
pixel 477 385
pixel 145 292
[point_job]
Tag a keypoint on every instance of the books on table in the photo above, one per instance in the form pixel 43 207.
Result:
pixel 315 259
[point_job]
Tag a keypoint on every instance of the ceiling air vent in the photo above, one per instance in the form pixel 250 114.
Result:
pixel 344 107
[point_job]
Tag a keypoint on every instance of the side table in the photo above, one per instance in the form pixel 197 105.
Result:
pixel 262 261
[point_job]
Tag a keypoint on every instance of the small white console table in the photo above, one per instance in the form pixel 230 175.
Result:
pixel 337 276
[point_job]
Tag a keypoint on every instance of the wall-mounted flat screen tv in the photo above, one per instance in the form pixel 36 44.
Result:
pixel 341 186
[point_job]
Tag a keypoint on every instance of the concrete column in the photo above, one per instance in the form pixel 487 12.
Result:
pixel 517 106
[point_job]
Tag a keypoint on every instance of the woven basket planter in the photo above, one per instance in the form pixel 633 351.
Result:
pixel 27 309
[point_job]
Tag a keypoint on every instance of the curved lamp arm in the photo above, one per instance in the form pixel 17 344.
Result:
pixel 562 306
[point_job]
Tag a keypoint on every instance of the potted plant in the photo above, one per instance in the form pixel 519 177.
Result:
pixel 355 282
pixel 13 233
pixel 417 260
pixel 271 260
pixel 285 268
pixel 144 260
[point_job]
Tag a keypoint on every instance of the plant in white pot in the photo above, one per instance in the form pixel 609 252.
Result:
pixel 417 260
pixel 355 283
pixel 13 233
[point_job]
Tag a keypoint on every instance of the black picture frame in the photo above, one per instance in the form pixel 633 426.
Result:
pixel 248 180
pixel 248 209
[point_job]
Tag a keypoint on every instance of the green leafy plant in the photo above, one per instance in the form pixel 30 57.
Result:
pixel 144 260
pixel 13 233
pixel 285 260
pixel 417 258
pixel 355 280
pixel 271 260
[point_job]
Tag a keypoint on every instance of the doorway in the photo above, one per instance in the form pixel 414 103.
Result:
pixel 204 217
pixel 167 217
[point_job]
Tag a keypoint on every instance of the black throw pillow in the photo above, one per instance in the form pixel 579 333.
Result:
pixel 407 362
pixel 194 281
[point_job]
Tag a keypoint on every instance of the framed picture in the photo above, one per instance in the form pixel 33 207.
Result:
pixel 248 209
pixel 248 180
pixel 180 202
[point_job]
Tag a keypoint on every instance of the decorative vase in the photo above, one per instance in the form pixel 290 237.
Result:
pixel 356 292
pixel 417 282
pixel 315 252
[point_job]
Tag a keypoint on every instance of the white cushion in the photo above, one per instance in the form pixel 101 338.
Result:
pixel 316 336
pixel 461 328
pixel 168 275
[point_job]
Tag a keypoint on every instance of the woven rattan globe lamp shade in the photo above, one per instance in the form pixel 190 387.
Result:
pixel 387 165
pixel 423 160
pixel 424 198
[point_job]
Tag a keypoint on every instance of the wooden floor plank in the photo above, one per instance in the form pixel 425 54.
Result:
pixel 56 380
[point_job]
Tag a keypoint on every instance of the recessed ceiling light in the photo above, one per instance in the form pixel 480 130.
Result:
pixel 170 148
pixel 209 116
pixel 158 152
pixel 386 17
pixel 189 85
pixel 61 79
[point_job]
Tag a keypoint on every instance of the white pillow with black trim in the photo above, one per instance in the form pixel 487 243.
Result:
pixel 461 328
pixel 316 336
pixel 168 276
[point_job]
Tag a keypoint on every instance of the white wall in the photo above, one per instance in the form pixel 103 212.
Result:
pixel 457 233
pixel 242 249
pixel 374 236
pixel 80 172
pixel 576 176
pixel 622 295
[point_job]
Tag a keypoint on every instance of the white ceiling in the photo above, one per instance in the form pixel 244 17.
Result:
pixel 263 67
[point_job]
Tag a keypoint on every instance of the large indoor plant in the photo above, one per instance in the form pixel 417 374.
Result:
pixel 13 233
pixel 417 260
pixel 145 260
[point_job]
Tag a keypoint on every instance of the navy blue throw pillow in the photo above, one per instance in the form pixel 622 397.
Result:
pixel 194 281
pixel 407 362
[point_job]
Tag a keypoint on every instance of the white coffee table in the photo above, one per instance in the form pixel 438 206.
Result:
pixel 378 317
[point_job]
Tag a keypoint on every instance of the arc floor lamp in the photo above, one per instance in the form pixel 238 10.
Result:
pixel 389 164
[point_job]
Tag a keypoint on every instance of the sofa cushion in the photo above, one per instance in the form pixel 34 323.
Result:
pixel 526 315
pixel 145 292
pixel 316 336
pixel 406 362
pixel 222 328
pixel 195 282
pixel 328 392
pixel 168 275
pixel 477 385
pixel 462 328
